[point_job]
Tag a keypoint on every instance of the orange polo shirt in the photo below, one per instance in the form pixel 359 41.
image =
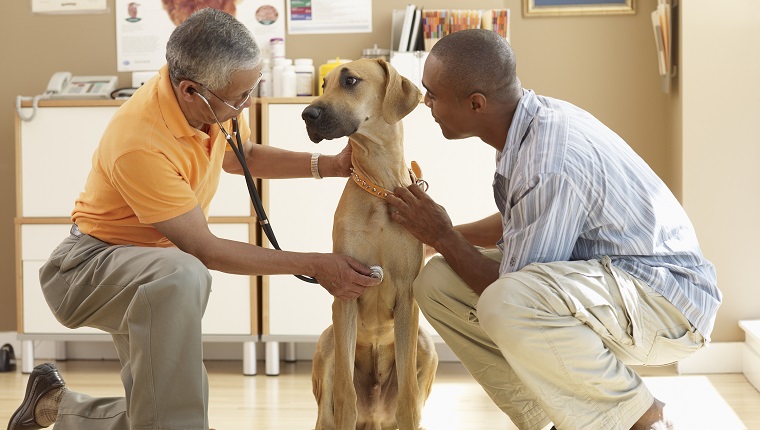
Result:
pixel 150 166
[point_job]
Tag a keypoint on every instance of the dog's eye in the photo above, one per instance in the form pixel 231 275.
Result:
pixel 350 80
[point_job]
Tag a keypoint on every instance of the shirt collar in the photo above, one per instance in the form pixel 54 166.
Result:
pixel 170 109
pixel 527 108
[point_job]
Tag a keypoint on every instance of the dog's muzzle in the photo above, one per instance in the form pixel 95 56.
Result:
pixel 322 124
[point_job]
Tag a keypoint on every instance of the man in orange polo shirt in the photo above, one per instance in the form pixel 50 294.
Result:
pixel 136 264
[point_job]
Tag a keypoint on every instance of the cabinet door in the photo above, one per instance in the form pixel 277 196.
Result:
pixel 56 151
pixel 37 243
pixel 301 211
pixel 56 155
pixel 229 306
pixel 301 214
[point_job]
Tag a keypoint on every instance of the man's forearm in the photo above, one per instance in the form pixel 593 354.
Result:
pixel 475 269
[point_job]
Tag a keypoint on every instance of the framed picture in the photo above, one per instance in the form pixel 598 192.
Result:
pixel 577 7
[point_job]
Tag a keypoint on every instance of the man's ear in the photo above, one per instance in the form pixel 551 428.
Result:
pixel 401 95
pixel 477 102
pixel 186 90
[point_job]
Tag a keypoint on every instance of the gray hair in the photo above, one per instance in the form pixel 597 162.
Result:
pixel 208 47
pixel 478 61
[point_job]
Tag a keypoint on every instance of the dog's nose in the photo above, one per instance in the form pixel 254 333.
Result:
pixel 311 113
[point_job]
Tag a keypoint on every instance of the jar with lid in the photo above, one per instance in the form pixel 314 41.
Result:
pixel 376 52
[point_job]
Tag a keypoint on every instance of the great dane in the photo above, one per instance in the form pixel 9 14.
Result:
pixel 374 366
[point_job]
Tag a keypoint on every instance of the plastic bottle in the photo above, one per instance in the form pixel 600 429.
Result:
pixel 265 85
pixel 277 47
pixel 289 81
pixel 304 68
pixel 324 69
pixel 279 66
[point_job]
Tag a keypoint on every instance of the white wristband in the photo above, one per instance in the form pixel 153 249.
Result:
pixel 315 165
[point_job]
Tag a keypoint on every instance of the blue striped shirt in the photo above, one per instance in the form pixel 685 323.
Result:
pixel 569 188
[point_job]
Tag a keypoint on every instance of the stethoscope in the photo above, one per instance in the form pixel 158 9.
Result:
pixel 252 191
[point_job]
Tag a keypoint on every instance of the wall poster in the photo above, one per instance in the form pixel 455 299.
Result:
pixel 143 26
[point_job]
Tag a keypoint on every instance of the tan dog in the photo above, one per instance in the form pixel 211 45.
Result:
pixel 374 367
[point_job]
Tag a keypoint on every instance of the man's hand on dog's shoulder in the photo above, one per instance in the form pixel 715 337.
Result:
pixel 419 214
pixel 344 277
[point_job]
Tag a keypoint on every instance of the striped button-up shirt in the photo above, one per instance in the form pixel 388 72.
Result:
pixel 569 188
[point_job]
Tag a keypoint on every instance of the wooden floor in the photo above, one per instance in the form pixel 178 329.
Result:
pixel 285 402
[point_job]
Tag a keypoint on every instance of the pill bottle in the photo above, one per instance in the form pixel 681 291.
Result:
pixel 324 69
pixel 279 67
pixel 265 85
pixel 304 68
pixel 289 81
pixel 277 47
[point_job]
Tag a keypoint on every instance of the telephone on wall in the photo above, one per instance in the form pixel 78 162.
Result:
pixel 63 85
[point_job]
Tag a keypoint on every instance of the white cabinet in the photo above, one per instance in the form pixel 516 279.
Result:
pixel 301 211
pixel 53 158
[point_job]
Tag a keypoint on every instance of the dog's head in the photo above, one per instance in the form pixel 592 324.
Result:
pixel 356 94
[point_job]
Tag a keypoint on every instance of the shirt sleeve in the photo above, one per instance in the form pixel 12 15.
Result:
pixel 152 186
pixel 543 224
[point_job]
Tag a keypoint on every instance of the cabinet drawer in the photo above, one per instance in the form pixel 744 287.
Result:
pixel 228 311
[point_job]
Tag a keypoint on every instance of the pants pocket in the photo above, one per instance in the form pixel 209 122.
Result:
pixel 668 349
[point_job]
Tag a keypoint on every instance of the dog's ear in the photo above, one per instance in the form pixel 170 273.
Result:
pixel 401 95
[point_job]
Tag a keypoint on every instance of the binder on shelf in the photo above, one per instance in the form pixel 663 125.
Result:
pixel 663 28
pixel 427 26
pixel 406 29
pixel 415 34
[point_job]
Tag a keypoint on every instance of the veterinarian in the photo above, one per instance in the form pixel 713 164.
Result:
pixel 137 262
pixel 590 265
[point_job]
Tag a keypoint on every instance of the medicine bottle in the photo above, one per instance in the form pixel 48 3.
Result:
pixel 277 69
pixel 265 85
pixel 289 81
pixel 304 68
pixel 277 47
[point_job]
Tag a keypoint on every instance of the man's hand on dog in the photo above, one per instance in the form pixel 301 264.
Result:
pixel 344 277
pixel 419 214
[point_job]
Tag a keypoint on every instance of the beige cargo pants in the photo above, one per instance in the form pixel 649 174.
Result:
pixel 151 301
pixel 551 342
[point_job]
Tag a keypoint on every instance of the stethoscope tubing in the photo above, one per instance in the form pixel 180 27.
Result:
pixel 253 192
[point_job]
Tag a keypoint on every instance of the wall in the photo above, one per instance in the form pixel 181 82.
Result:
pixel 721 147
pixel 605 64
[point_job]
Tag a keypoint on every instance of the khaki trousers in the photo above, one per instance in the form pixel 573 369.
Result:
pixel 151 301
pixel 551 342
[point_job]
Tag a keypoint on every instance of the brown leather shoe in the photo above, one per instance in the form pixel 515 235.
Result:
pixel 43 379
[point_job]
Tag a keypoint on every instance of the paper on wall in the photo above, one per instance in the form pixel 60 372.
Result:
pixel 143 27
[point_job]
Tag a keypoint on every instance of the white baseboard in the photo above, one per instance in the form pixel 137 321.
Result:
pixel 718 357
